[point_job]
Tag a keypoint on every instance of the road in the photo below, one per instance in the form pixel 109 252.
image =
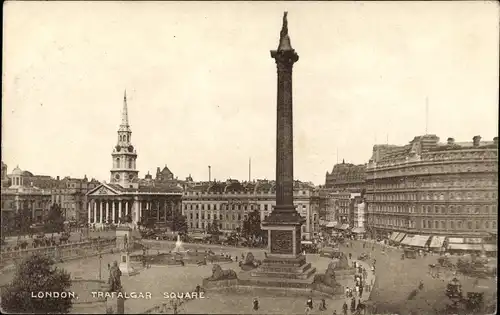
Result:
pixel 397 278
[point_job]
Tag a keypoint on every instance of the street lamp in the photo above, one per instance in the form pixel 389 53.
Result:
pixel 100 258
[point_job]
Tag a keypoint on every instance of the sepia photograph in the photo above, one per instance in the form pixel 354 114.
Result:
pixel 240 157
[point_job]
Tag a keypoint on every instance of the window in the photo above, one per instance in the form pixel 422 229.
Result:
pixel 469 225
pixel 452 225
pixel 220 217
pixel 197 216
pixel 459 224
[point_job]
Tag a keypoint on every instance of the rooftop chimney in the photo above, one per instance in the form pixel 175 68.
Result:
pixel 57 177
pixel 451 141
pixel 476 140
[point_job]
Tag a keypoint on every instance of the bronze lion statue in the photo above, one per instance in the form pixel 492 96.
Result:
pixel 342 263
pixel 328 278
pixel 219 274
pixel 249 263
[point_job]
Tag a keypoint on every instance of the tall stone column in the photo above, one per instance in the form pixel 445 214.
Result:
pixel 94 205
pixel 100 212
pixel 89 211
pixel 284 222
pixel 107 212
pixel 120 213
pixel 113 213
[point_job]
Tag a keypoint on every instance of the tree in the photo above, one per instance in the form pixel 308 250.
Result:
pixel 22 221
pixel 214 227
pixel 251 225
pixel 37 274
pixel 179 223
pixel 55 219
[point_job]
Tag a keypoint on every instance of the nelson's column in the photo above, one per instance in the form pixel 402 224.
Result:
pixel 284 223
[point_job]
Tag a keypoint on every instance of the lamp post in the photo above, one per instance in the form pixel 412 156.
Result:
pixel 100 258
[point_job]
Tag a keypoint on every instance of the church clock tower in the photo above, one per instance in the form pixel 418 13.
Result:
pixel 124 171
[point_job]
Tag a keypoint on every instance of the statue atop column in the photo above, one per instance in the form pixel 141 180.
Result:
pixel 285 44
pixel 284 28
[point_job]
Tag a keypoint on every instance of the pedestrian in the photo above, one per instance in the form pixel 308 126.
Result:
pixel 322 306
pixel 109 266
pixel 255 304
pixel 360 291
pixel 350 256
pixel 309 303
pixel 346 292
pixel 357 290
pixel 344 308
pixel 334 312
pixel 353 304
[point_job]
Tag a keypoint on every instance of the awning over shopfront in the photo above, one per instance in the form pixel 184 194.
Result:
pixel 399 237
pixel 465 246
pixel 456 240
pixel 393 236
pixel 338 226
pixel 490 247
pixel 358 230
pixel 419 240
pixel 331 224
pixel 437 241
pixel 407 240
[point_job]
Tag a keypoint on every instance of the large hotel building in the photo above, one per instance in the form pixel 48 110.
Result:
pixel 433 189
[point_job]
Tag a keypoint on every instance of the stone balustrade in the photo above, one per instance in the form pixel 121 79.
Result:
pixel 66 251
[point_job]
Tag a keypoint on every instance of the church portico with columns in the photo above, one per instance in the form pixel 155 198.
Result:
pixel 110 203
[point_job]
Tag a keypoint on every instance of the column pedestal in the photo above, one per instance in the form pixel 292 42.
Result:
pixel 115 305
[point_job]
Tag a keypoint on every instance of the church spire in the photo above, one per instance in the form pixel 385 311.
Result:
pixel 124 126
pixel 125 110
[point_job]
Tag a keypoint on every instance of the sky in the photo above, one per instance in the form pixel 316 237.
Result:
pixel 201 84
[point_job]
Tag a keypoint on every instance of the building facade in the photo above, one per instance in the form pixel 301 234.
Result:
pixel 128 196
pixel 346 176
pixel 433 188
pixel 22 200
pixel 229 202
pixel 70 194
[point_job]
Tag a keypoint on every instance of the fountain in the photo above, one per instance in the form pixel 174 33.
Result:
pixel 179 249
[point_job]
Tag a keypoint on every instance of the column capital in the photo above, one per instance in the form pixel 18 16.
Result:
pixel 285 59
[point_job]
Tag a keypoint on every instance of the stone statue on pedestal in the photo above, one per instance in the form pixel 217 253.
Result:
pixel 114 280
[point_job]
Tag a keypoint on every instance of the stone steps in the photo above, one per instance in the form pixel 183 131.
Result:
pixel 280 261
pixel 284 268
pixel 284 275
pixel 276 282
